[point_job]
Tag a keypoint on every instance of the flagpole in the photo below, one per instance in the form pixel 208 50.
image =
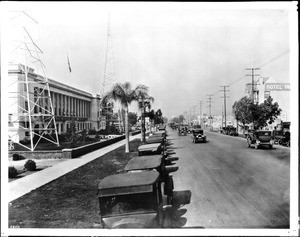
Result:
pixel 71 108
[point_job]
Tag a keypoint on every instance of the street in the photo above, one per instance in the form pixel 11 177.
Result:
pixel 231 185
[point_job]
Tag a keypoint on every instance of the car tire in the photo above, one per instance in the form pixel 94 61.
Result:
pixel 280 141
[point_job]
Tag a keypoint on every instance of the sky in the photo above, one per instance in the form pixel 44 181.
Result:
pixel 182 51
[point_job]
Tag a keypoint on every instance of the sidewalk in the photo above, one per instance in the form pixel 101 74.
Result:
pixel 20 187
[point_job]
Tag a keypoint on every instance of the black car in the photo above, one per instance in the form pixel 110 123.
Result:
pixel 197 136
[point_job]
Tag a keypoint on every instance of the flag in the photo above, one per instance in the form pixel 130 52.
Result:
pixel 69 64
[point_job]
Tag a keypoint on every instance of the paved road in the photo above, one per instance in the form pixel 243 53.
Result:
pixel 232 186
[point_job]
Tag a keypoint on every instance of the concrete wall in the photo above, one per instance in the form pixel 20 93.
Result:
pixel 70 152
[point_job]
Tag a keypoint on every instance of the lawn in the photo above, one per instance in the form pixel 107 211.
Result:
pixel 71 200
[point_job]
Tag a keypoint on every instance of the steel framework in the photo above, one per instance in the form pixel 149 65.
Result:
pixel 109 75
pixel 31 114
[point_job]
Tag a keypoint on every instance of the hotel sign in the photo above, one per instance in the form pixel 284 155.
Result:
pixel 277 86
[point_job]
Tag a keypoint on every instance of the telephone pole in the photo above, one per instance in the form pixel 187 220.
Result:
pixel 252 81
pixel 224 90
pixel 209 106
pixel 200 112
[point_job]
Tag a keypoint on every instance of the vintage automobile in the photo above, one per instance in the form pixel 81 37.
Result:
pixel 142 163
pixel 156 139
pixel 162 133
pixel 182 130
pixel 197 136
pixel 285 140
pixel 151 149
pixel 131 200
pixel 161 127
pixel 260 138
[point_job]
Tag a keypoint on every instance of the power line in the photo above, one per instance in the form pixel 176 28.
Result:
pixel 264 64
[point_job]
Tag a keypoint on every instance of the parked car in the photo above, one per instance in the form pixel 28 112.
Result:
pixel 285 140
pixel 260 138
pixel 131 200
pixel 155 162
pixel 197 136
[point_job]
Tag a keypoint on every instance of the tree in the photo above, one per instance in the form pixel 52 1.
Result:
pixel 124 93
pixel 245 111
pixel 145 102
pixel 241 110
pixel 132 118
pixel 266 113
pixel 158 118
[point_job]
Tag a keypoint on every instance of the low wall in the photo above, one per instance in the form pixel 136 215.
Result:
pixel 70 152
pixel 79 151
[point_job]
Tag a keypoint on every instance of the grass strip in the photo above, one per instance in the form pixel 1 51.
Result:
pixel 69 201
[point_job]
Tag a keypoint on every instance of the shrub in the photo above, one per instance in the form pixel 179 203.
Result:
pixel 18 157
pixel 25 141
pixel 30 165
pixel 12 172
pixel 92 131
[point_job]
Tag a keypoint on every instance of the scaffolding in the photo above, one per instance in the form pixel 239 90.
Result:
pixel 31 116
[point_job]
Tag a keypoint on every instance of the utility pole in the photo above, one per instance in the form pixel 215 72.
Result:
pixel 224 90
pixel 200 112
pixel 252 81
pixel 209 106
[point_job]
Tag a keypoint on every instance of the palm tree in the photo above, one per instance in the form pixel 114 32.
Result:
pixel 144 102
pixel 123 93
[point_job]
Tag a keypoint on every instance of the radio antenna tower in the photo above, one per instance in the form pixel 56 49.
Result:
pixel 31 114
pixel 109 76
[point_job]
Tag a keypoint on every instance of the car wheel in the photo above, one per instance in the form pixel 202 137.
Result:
pixel 280 142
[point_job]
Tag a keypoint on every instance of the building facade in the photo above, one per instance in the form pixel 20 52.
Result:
pixel 280 92
pixel 68 103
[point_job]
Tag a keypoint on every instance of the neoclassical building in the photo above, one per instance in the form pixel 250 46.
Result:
pixel 68 103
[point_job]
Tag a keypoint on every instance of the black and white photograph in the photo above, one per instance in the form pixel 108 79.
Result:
pixel 149 118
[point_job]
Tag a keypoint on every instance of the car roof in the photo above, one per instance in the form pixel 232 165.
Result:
pixel 159 132
pixel 118 182
pixel 143 162
pixel 152 146
pixel 155 138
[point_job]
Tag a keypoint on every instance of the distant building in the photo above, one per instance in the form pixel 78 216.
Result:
pixel 69 104
pixel 280 92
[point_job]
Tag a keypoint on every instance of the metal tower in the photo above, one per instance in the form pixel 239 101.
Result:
pixel 31 115
pixel 109 76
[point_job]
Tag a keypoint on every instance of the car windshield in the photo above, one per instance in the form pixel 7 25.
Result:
pixel 132 203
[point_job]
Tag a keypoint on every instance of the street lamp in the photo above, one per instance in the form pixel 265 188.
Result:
pixel 143 102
